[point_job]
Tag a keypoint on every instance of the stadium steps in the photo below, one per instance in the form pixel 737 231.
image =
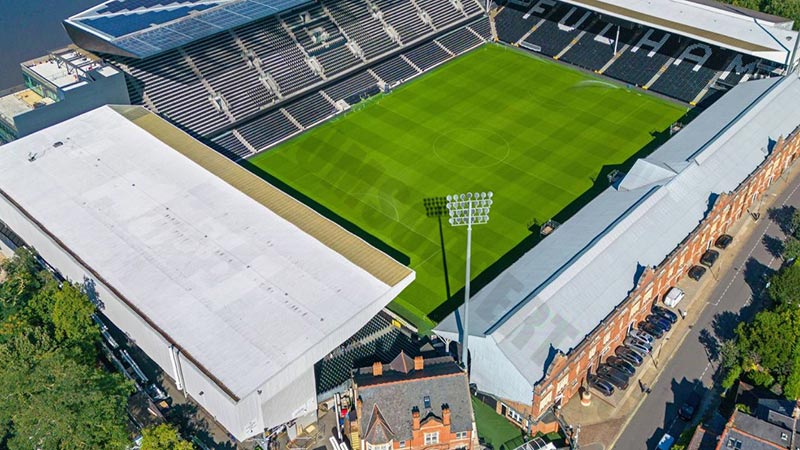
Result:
pixel 405 58
pixel 614 58
pixel 570 45
pixel 441 46
pixel 204 82
pixel 292 119
pixel 375 75
pixel 658 74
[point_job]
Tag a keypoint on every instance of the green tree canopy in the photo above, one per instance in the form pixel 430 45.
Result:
pixel 784 287
pixel 789 9
pixel 163 437
pixel 53 393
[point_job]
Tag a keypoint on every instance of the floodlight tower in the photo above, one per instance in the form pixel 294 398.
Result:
pixel 467 210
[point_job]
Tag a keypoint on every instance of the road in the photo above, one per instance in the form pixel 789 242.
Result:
pixel 694 363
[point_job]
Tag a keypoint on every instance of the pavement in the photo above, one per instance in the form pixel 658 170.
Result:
pixel 685 360
pixel 735 297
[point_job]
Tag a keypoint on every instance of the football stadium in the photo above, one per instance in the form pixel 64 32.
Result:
pixel 553 130
pixel 292 161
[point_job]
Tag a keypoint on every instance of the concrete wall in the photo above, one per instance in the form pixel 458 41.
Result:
pixel 103 91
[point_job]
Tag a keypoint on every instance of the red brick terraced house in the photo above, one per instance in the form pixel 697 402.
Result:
pixel 551 317
pixel 414 404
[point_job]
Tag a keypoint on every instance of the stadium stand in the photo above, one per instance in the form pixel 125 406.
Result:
pixel 482 28
pixel 395 70
pixel 360 83
pixel 231 78
pixel 670 64
pixel 427 55
pixel 378 340
pixel 460 41
pixel 311 109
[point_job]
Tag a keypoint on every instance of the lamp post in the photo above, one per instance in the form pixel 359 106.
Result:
pixel 467 210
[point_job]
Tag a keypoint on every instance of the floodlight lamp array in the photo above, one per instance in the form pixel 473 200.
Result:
pixel 471 208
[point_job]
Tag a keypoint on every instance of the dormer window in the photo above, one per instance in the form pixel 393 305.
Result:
pixel 427 401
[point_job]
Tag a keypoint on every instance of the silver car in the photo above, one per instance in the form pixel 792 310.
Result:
pixel 641 335
pixel 637 347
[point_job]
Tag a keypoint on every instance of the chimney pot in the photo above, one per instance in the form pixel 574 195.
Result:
pixel 445 415
pixel 415 419
pixel 377 369
pixel 419 363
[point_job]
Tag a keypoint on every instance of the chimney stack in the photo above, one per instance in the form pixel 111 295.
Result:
pixel 446 415
pixel 415 419
pixel 419 363
pixel 377 369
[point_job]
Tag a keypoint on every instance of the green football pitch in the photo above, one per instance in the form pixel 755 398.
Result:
pixel 534 132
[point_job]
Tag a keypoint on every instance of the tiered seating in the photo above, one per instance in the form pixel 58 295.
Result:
pixel 740 67
pixel 279 55
pixel 355 85
pixel 232 147
pixel 564 23
pixel 267 130
pixel 442 12
pixel 333 372
pixel 311 109
pixel 427 55
pixel 471 7
pixel 460 41
pixel 394 70
pixel 404 17
pixel 688 78
pixel 511 25
pixel 176 91
pixel 640 63
pixel 596 47
pixel 482 27
pixel 221 63
pixel 337 59
pixel 359 24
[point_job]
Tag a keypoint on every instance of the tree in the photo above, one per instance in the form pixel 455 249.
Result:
pixel 163 437
pixel 789 9
pixel 791 248
pixel 53 393
pixel 784 287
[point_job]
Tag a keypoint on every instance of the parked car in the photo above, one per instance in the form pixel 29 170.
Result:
pixel 642 351
pixel 651 329
pixel 642 335
pixel 673 297
pixel 709 258
pixel 620 381
pixel 689 408
pixel 665 313
pixel 606 370
pixel 659 322
pixel 723 241
pixel 600 384
pixel 621 364
pixel 697 272
pixel 629 355
pixel 638 345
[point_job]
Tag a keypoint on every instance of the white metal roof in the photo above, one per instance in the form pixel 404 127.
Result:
pixel 561 290
pixel 241 289
pixel 730 28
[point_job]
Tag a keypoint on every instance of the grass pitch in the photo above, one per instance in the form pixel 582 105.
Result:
pixel 533 131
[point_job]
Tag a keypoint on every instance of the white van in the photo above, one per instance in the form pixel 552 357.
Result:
pixel 673 297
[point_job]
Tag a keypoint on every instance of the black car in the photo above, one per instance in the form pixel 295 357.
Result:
pixel 689 408
pixel 659 322
pixel 723 241
pixel 665 313
pixel 614 376
pixel 629 355
pixel 651 329
pixel 601 385
pixel 709 258
pixel 697 272
pixel 620 364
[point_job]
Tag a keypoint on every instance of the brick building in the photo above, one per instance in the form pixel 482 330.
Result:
pixel 538 328
pixel 413 403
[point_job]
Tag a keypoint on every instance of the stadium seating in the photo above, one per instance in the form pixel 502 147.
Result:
pixel 482 28
pixel 311 109
pixel 395 70
pixel 460 41
pixel 376 341
pixel 266 130
pixel 667 63
pixel 360 83
pixel 234 75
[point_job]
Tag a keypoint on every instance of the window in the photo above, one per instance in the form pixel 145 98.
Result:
pixel 402 444
pixel 386 446
pixel 461 435
pixel 734 443
pixel 427 401
pixel 432 438
pixel 784 436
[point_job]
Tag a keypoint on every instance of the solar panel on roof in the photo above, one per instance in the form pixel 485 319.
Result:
pixel 147 27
